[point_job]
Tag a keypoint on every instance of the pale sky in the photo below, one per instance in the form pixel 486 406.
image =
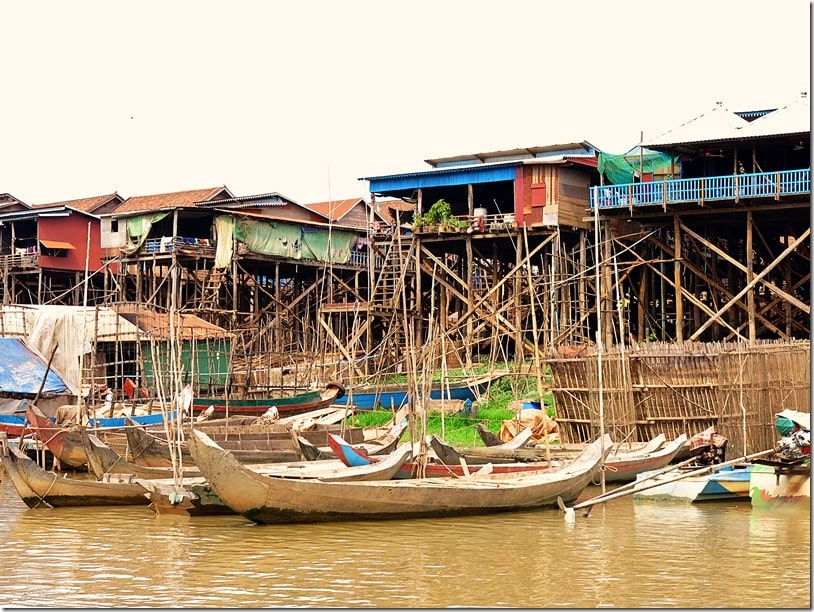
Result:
pixel 304 97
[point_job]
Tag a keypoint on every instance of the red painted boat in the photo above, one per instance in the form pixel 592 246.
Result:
pixel 64 442
pixel 412 469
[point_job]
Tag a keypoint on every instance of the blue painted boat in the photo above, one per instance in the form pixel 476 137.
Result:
pixel 370 397
pixel 730 483
pixel 13 424
pixel 146 420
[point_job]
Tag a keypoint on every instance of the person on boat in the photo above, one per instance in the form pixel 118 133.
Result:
pixel 795 439
pixel 708 447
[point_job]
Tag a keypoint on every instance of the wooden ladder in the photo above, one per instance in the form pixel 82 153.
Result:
pixel 211 288
pixel 390 280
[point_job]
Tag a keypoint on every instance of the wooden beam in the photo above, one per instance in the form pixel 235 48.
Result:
pixel 677 280
pixel 751 284
pixel 796 302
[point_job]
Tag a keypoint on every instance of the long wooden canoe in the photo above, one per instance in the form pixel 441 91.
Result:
pixel 371 396
pixel 48 489
pixel 432 468
pixel 265 499
pixel 104 460
pixel 195 497
pixel 295 404
pixel 624 466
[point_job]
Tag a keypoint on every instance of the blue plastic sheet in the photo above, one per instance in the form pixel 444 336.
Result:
pixel 22 370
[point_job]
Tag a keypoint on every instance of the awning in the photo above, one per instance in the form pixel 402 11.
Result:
pixel 56 244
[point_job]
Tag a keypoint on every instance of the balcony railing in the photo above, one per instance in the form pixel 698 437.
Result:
pixel 770 185
pixel 167 244
pixel 19 261
pixel 469 224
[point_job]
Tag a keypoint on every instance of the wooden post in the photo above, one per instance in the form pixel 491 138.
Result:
pixel 750 275
pixel 679 304
pixel 518 320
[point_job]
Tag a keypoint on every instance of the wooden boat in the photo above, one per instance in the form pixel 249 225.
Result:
pixel 371 396
pixel 152 449
pixel 194 496
pixel 43 488
pixel 15 476
pixel 265 499
pixel 432 468
pixel 503 453
pixel 302 402
pixel 64 442
pixel 518 441
pixel 624 465
pixel 12 424
pixel 104 460
pixel 375 443
pixel 730 483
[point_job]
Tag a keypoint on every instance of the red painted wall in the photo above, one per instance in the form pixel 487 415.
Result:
pixel 522 194
pixel 73 229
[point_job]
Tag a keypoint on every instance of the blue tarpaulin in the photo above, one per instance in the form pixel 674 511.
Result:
pixel 22 370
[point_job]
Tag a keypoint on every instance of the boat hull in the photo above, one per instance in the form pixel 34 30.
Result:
pixel 286 406
pixel 727 484
pixel 280 500
pixel 772 488
pixel 371 397
pixel 38 487
pixel 624 467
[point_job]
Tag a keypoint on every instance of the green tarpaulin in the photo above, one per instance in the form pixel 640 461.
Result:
pixel 294 241
pixel 619 169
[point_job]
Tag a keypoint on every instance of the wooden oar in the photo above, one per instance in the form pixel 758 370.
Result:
pixel 629 485
pixel 570 514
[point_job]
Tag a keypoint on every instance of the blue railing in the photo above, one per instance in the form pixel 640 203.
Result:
pixel 707 189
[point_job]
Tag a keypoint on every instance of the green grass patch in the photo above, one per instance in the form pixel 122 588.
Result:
pixel 492 409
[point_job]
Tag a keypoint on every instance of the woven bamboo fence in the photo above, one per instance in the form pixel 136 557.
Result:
pixel 668 388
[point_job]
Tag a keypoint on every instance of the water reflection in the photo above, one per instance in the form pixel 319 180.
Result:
pixel 625 554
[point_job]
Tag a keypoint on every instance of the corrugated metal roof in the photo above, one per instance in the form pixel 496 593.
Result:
pixel 794 118
pixel 157 324
pixel 264 217
pixel 717 124
pixel 441 171
pixel 720 124
pixel 445 177
pixel 253 201
pixel 34 213
pixel 521 153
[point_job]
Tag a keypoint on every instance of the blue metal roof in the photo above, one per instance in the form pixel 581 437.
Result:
pixel 22 370
pixel 446 177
